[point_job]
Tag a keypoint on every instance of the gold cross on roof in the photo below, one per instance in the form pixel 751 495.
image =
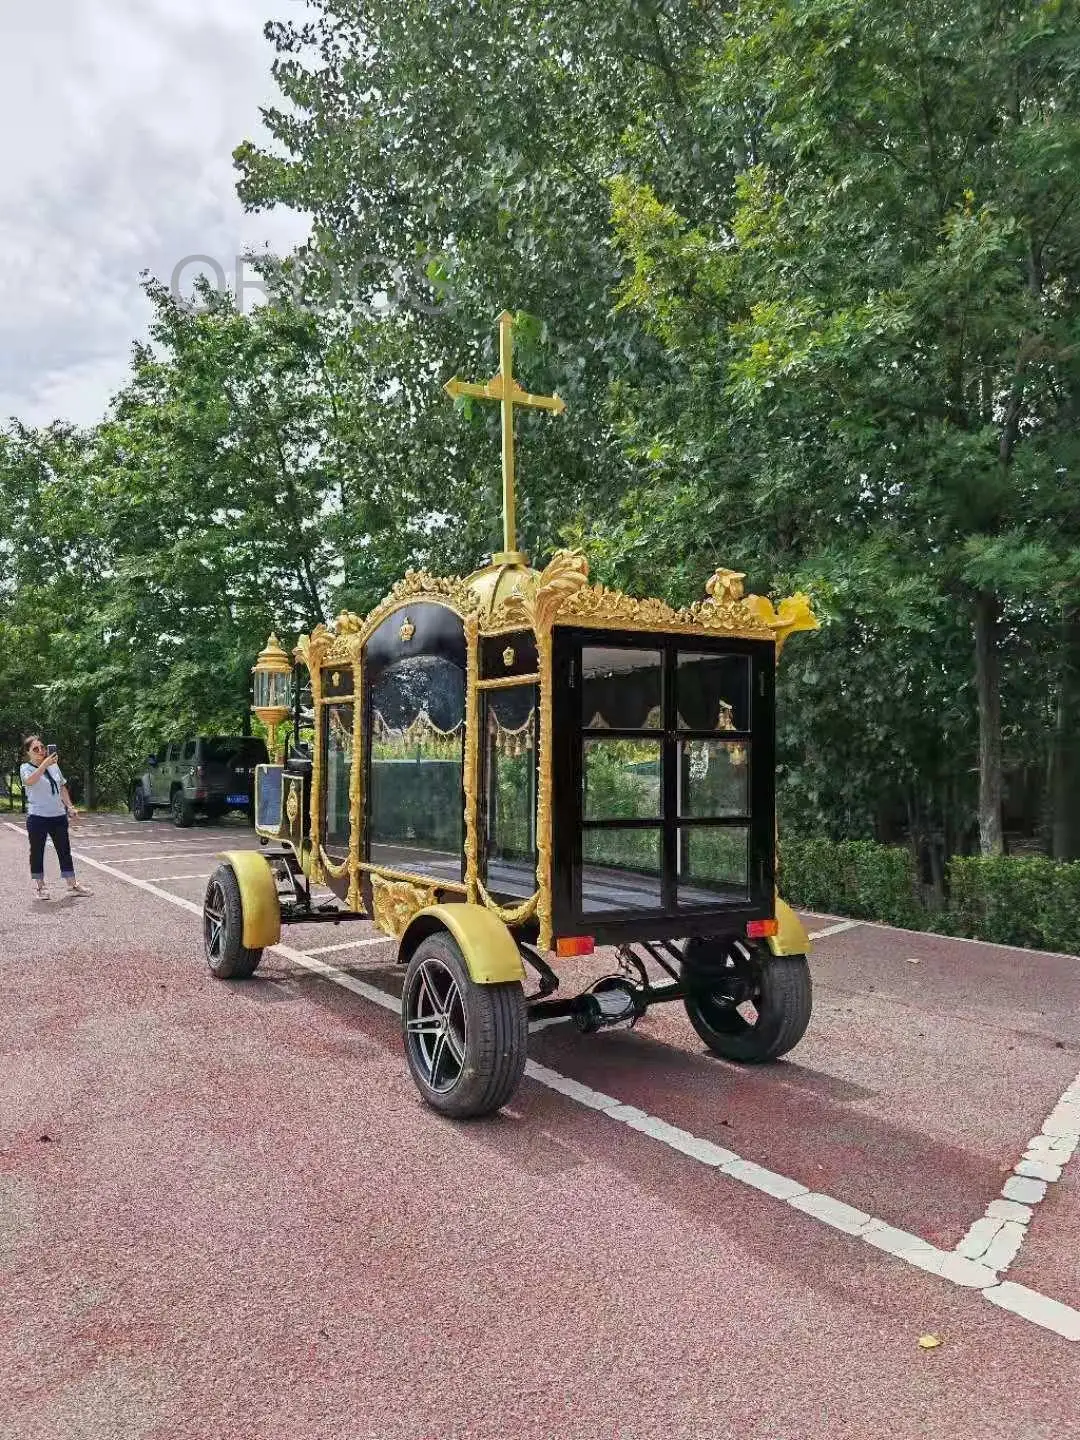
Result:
pixel 504 388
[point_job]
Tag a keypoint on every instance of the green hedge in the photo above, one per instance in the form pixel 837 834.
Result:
pixel 852 877
pixel 1015 900
pixel 1007 899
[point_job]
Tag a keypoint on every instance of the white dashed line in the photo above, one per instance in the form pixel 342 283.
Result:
pixel 956 1266
pixel 349 945
pixel 835 929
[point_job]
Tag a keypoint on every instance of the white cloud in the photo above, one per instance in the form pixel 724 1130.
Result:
pixel 117 123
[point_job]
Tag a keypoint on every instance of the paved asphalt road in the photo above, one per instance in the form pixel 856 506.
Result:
pixel 226 1215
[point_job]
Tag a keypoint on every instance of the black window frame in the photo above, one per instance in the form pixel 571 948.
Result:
pixel 345 699
pixel 568 824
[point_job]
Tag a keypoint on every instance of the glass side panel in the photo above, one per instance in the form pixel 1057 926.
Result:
pixel 620 870
pixel 268 797
pixel 712 692
pixel 621 779
pixel 415 804
pixel 339 763
pixel 714 779
pixel 510 718
pixel 713 864
pixel 620 688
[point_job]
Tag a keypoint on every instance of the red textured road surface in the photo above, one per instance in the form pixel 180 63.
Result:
pixel 226 1215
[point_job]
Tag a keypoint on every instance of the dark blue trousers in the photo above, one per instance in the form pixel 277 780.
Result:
pixel 41 828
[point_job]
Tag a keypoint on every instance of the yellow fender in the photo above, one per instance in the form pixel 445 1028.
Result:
pixel 258 895
pixel 791 939
pixel 491 953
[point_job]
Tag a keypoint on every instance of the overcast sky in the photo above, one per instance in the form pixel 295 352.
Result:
pixel 117 123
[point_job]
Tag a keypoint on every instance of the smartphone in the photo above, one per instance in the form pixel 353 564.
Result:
pixel 50 749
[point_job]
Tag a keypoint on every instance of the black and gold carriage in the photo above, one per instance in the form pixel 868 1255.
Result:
pixel 513 769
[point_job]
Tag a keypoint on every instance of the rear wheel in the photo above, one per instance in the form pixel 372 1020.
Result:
pixel 223 928
pixel 141 809
pixel 465 1043
pixel 746 1003
pixel 183 814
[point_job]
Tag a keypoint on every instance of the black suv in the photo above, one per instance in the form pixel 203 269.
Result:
pixel 205 776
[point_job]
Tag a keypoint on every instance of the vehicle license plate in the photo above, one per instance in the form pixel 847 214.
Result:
pixel 237 799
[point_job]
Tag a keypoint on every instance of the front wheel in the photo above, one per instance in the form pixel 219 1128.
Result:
pixel 141 809
pixel 223 928
pixel 465 1043
pixel 746 1003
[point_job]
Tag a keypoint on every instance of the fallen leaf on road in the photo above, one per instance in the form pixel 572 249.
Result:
pixel 929 1342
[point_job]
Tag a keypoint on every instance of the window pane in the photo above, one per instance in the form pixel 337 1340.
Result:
pixel 620 689
pixel 268 797
pixel 713 692
pixel 510 790
pixel 713 778
pixel 620 870
pixel 621 779
pixel 339 762
pixel 415 802
pixel 713 864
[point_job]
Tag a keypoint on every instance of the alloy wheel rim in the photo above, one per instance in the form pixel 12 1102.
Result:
pixel 214 921
pixel 435 1026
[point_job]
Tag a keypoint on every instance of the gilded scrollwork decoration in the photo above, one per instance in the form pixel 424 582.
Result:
pixel 395 902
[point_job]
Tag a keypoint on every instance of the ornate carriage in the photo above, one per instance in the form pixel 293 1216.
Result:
pixel 518 767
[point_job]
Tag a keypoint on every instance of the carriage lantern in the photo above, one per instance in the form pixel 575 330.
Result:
pixel 272 689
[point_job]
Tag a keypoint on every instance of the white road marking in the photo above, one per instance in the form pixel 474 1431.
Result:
pixel 350 945
pixel 129 844
pixel 997 1236
pixel 202 875
pixel 171 855
pixel 959 1269
pixel 835 929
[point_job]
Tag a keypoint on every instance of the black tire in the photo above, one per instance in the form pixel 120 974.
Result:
pixel 183 813
pixel 747 1004
pixel 223 929
pixel 471 1064
pixel 141 809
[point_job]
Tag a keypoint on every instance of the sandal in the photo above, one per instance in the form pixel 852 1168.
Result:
pixel 78 889
pixel 40 893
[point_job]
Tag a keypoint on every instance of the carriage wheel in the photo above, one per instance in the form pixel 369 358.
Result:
pixel 746 1003
pixel 223 928
pixel 465 1043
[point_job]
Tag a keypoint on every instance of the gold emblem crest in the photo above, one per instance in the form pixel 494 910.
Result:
pixel 292 805
pixel 508 656
pixel 407 631
pixel 335 678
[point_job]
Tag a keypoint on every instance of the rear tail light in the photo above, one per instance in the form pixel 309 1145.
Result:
pixel 758 929
pixel 200 772
pixel 568 945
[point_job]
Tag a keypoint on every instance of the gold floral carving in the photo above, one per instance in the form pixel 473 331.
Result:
pixel 508 656
pixel 395 902
pixel 471 758
pixel 725 585
pixel 793 613
pixel 292 806
pixel 407 631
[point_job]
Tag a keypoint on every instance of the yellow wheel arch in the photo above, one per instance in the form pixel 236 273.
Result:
pixel 791 939
pixel 258 896
pixel 490 951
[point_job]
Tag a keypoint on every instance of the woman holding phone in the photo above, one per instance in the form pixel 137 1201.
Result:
pixel 48 809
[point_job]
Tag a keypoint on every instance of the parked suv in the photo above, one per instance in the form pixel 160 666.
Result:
pixel 205 776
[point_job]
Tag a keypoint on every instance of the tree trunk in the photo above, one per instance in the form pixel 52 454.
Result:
pixel 1065 833
pixel 988 686
pixel 90 756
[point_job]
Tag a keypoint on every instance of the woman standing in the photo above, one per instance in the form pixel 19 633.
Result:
pixel 48 809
